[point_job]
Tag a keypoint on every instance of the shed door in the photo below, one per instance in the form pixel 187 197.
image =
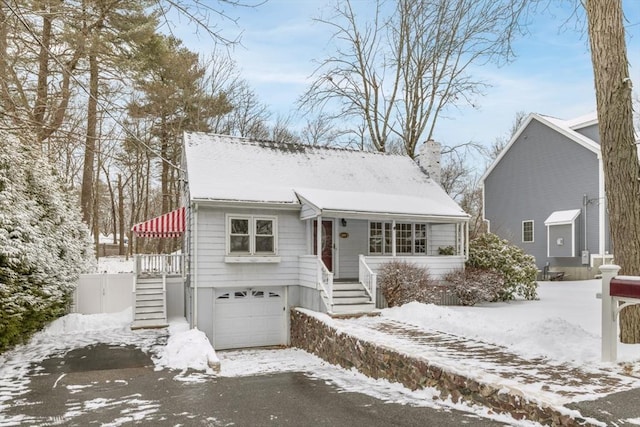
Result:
pixel 249 318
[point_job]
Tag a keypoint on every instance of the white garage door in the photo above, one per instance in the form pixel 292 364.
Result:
pixel 249 318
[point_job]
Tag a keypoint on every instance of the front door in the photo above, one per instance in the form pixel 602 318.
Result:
pixel 327 242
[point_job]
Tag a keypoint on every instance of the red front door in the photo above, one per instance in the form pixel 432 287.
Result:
pixel 327 242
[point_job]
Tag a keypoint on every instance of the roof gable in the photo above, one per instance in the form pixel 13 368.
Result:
pixel 564 127
pixel 230 168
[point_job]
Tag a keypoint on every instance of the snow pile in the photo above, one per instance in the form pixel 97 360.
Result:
pixel 186 349
pixel 76 322
pixel 563 325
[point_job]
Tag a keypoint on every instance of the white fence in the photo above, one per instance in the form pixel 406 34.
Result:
pixel 103 293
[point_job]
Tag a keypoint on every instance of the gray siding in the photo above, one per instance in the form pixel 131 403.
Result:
pixel 542 172
pixel 352 246
pixel 561 241
pixel 213 271
pixel 591 132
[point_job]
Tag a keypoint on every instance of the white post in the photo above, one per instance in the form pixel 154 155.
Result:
pixel 609 325
pixel 319 244
pixel 393 238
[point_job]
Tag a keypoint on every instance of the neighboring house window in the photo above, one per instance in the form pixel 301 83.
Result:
pixel 251 235
pixel 527 231
pixel 411 238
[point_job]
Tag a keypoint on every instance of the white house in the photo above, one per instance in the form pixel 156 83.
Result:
pixel 253 249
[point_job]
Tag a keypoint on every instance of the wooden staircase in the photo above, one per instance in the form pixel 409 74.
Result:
pixel 150 309
pixel 350 297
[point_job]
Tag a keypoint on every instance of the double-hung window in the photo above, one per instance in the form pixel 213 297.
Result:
pixel 251 235
pixel 527 231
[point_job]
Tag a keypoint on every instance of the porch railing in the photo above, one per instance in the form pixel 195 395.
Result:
pixel 160 264
pixel 367 277
pixel 325 281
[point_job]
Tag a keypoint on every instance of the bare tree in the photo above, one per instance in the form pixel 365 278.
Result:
pixel 321 131
pixel 398 73
pixel 618 145
pixel 502 141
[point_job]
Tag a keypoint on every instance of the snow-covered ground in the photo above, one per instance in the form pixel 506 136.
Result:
pixel 563 325
pixel 115 264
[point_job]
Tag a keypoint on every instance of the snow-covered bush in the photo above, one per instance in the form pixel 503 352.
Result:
pixel 490 252
pixel 44 245
pixel 474 285
pixel 401 282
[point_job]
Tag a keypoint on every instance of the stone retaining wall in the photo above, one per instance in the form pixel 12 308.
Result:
pixel 317 337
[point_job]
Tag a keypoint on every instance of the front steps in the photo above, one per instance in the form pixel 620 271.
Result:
pixel 150 308
pixel 351 298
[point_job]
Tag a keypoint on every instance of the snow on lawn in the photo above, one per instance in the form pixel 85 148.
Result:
pixel 563 325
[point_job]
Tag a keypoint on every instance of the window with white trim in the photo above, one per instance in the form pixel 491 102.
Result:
pixel 527 231
pixel 251 235
pixel 411 238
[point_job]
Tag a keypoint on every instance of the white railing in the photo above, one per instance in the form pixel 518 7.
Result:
pixel 367 277
pixel 325 281
pixel 170 264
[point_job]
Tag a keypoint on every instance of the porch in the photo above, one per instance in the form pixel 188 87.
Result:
pixel 346 253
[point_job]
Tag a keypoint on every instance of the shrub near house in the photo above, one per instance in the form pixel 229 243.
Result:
pixel 490 252
pixel 44 245
pixel 495 271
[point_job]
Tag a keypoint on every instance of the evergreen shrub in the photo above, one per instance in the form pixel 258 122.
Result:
pixel 44 245
pixel 490 252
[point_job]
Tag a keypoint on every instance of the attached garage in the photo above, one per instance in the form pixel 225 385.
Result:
pixel 250 318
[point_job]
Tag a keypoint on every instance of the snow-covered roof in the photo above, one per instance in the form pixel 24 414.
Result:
pixel 582 121
pixel 562 217
pixel 344 202
pixel 227 168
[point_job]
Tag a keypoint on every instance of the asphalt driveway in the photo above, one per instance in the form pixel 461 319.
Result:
pixel 118 385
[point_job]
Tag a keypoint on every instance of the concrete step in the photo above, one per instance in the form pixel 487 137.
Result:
pixel 353 308
pixel 338 300
pixel 149 323
pixel 346 286
pixel 337 293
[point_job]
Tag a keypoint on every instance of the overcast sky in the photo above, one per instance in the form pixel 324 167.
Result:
pixel 551 75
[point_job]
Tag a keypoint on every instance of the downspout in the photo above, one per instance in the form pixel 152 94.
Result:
pixel 194 311
pixel 585 203
pixel 602 208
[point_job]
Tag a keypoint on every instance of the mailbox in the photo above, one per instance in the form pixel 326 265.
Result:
pixel 622 287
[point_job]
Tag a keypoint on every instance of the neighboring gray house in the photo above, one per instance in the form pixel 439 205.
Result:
pixel 252 245
pixel 545 194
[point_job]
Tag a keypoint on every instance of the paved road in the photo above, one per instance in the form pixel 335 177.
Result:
pixel 106 385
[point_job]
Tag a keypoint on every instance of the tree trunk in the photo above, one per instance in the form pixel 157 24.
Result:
pixel 86 191
pixel 120 216
pixel 619 151
pixel 43 75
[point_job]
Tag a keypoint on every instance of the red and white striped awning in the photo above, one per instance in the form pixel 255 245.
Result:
pixel 170 224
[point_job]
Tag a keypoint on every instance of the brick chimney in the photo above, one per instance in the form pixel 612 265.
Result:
pixel 428 159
